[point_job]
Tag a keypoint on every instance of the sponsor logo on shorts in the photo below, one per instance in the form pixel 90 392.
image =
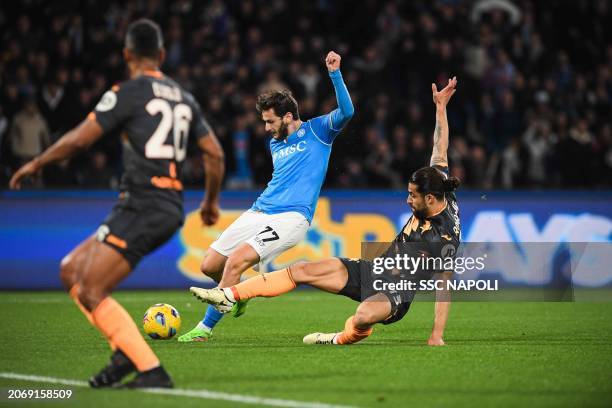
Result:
pixel 260 242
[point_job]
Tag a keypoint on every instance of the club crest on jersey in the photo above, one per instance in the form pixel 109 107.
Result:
pixel 108 101
pixel 102 232
pixel 289 150
pixel 301 133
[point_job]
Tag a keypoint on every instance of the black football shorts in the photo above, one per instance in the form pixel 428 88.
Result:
pixel 135 229
pixel 358 287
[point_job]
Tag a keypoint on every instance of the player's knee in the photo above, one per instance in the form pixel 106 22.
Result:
pixel 207 270
pixel 364 318
pixel 234 266
pixel 90 296
pixel 300 272
pixel 212 267
pixel 68 272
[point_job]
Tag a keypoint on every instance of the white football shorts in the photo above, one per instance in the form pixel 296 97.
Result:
pixel 269 234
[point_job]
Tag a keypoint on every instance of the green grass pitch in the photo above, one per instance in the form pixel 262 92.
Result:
pixel 505 354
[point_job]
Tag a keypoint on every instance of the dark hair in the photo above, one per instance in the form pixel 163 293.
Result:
pixel 430 180
pixel 144 38
pixel 282 101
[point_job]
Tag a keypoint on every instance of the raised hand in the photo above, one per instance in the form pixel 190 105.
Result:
pixel 442 97
pixel 332 61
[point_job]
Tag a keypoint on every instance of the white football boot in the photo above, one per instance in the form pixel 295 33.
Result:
pixel 216 297
pixel 320 338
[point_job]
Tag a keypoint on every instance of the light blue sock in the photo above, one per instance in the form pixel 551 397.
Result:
pixel 211 318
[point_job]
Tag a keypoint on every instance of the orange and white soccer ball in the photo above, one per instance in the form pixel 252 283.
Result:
pixel 161 321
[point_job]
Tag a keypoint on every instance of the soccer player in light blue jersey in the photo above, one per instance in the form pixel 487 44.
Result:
pixel 282 214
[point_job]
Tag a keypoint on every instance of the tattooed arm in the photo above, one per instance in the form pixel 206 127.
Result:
pixel 440 138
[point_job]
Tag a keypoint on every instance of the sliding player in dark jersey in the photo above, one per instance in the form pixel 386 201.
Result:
pixel 433 225
pixel 156 117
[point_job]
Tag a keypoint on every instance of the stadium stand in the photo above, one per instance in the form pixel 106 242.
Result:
pixel 532 111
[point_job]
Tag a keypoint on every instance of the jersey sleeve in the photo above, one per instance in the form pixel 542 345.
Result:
pixel 199 125
pixel 323 129
pixel 443 169
pixel 114 108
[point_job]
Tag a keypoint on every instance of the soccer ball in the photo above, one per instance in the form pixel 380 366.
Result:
pixel 161 321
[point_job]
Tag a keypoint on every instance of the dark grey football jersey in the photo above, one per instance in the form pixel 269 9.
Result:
pixel 433 235
pixel 155 117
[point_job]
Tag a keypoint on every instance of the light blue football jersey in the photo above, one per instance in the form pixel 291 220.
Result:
pixel 300 164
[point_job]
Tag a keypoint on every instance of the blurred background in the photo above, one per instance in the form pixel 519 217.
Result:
pixel 532 110
pixel 532 113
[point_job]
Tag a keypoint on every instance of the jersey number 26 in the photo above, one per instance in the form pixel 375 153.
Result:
pixel 177 120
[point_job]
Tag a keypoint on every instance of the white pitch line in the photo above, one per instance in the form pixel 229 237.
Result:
pixel 204 394
pixel 38 378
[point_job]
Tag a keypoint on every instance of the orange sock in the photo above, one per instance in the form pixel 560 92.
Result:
pixel 352 334
pixel 119 328
pixel 74 290
pixel 275 283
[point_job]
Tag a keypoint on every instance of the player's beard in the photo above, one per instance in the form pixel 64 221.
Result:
pixel 420 214
pixel 282 132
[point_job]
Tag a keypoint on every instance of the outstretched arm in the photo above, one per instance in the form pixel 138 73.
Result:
pixel 76 140
pixel 344 112
pixel 440 139
pixel 442 309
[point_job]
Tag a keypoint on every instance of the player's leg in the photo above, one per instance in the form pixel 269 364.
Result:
pixel 243 258
pixel 73 263
pixel 374 309
pixel 238 262
pixel 330 275
pixel 71 268
pixel 131 232
pixel 273 235
pixel 212 266
pixel 280 232
pixel 104 269
pixel 276 234
pixel 270 235
pixel 215 263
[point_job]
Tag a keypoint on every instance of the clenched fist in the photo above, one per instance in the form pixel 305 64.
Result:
pixel 209 212
pixel 332 61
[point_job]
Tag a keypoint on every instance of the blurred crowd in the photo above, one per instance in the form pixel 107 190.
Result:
pixel 532 108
